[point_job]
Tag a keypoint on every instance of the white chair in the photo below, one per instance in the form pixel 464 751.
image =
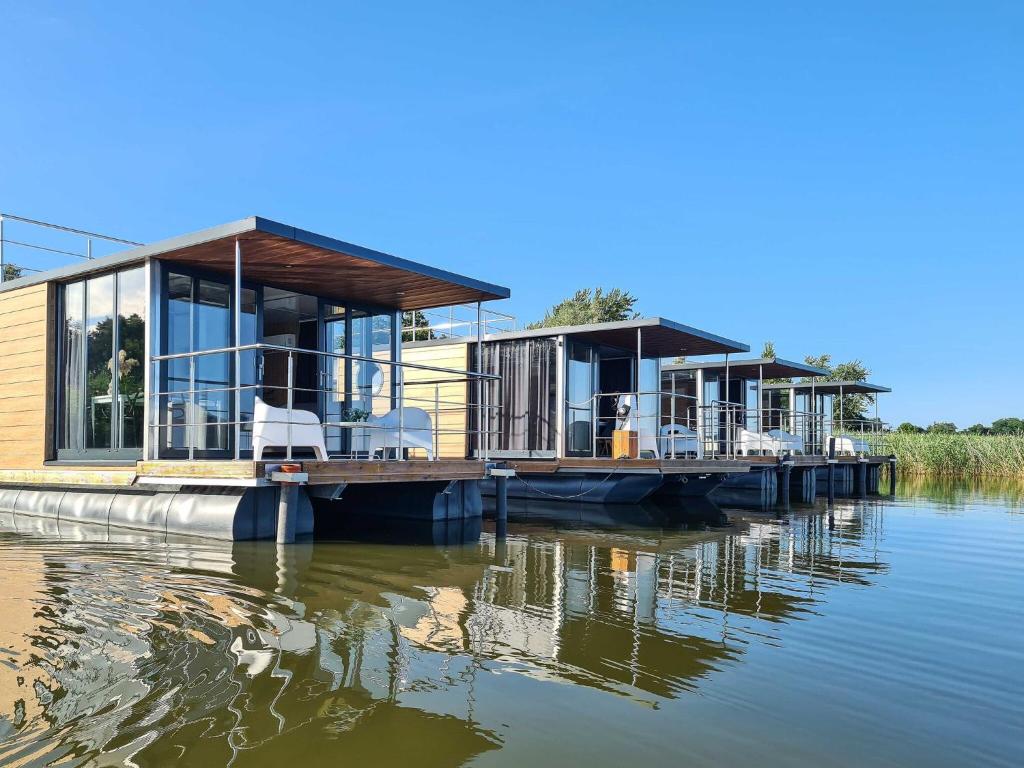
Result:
pixel 270 430
pixel 788 442
pixel 395 430
pixel 682 440
pixel 750 443
pixel 848 446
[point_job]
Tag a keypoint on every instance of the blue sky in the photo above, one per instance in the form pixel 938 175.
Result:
pixel 844 178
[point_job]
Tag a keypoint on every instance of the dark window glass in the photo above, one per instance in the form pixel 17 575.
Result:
pixel 131 356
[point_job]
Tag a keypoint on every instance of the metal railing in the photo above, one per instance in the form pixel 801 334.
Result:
pixel 731 430
pixel 24 241
pixel 861 436
pixel 669 425
pixel 367 407
pixel 459 321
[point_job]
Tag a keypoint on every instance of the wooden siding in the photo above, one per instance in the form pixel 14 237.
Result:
pixel 451 413
pixel 26 369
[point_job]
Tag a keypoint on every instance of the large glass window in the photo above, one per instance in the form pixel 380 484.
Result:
pixel 101 366
pixel 579 392
pixel 372 382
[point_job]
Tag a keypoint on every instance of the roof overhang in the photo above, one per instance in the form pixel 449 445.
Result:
pixel 657 337
pixel 833 387
pixel 287 257
pixel 768 367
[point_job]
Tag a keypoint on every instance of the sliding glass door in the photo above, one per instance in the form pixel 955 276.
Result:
pixel 101 367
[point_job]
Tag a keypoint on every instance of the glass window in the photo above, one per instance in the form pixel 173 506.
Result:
pixel 71 368
pixel 102 366
pixel 371 382
pixel 579 392
pixel 131 356
pixel 99 351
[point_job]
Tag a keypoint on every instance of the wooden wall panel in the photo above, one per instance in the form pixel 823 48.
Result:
pixel 451 413
pixel 25 368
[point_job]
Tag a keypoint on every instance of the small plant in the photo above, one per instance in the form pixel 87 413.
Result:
pixel 354 414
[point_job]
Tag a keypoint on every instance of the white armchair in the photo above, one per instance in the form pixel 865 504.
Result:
pixel 270 430
pixel 394 430
pixel 682 440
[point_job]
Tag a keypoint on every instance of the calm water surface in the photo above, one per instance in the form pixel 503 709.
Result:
pixel 892 634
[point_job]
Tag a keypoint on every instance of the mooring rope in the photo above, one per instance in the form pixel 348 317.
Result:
pixel 593 488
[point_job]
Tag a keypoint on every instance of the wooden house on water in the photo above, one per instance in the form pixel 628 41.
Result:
pixel 175 386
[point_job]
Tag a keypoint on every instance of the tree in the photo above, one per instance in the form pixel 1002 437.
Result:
pixel 852 407
pixel 909 429
pixel 942 428
pixel 11 272
pixel 1008 426
pixel 586 306
pixel 416 327
pixel 977 429
pixel 768 350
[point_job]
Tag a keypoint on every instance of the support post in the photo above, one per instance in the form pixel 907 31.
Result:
pixel 785 470
pixel 479 380
pixel 287 513
pixel 862 478
pixel 892 475
pixel 501 506
pixel 2 267
pixel 831 481
pixel 238 354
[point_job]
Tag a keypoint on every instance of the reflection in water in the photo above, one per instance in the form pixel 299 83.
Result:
pixel 115 647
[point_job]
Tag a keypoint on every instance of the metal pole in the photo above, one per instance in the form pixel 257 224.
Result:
pixel 88 248
pixel 730 451
pixel 479 379
pixel 238 354
pixel 291 395
pixel 672 418
pixel 191 415
pixel 287 512
pixel 399 374
pixel 3 268
pixel 760 399
pixel 437 421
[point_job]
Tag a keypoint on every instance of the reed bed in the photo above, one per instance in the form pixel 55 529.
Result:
pixel 957 455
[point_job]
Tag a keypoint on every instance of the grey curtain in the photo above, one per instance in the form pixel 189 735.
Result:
pixel 527 394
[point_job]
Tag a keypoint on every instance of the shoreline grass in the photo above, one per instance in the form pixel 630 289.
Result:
pixel 957 455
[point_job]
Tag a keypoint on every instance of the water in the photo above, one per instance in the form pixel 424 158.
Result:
pixel 891 635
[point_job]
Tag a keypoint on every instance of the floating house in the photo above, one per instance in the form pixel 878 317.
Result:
pixel 189 385
pixel 582 412
pixel 778 414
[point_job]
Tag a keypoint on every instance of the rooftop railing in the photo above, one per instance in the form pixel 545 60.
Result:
pixel 288 399
pixel 460 321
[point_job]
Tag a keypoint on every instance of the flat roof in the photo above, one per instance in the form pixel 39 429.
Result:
pixel 769 367
pixel 288 257
pixel 658 337
pixel 833 387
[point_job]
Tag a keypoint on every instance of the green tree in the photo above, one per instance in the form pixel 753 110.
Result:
pixel 852 407
pixel 418 327
pixel 590 306
pixel 768 350
pixel 12 272
pixel 977 429
pixel 911 429
pixel 1008 426
pixel 942 428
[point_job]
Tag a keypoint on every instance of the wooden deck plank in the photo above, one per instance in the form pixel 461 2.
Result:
pixel 665 466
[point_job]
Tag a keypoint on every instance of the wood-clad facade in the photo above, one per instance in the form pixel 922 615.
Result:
pixel 26 360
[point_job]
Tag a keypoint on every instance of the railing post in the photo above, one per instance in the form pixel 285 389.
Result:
pixel 291 396
pixel 238 354
pixel 595 414
pixel 399 373
pixel 191 413
pixel 2 267
pixel 437 421
pixel 672 422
